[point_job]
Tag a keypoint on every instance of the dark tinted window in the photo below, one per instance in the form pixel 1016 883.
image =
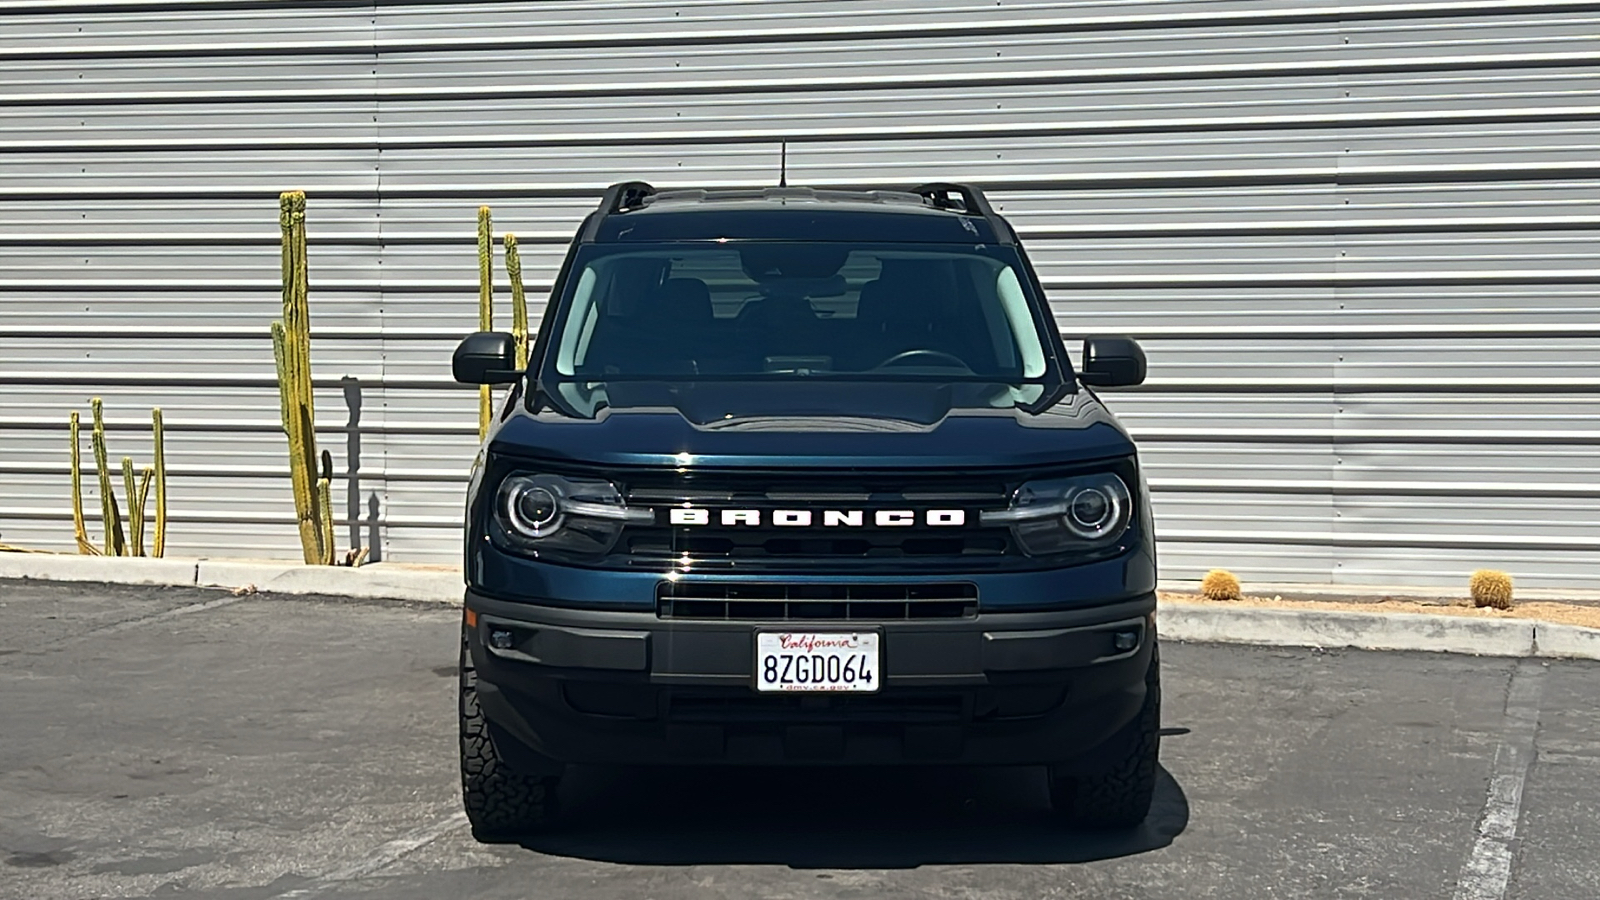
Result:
pixel 774 309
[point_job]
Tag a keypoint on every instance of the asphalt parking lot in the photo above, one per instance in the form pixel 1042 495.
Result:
pixel 160 742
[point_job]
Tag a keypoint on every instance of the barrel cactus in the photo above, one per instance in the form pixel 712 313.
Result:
pixel 1220 584
pixel 1491 589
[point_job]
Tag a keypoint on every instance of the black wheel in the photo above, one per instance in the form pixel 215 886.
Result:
pixel 1119 796
pixel 502 803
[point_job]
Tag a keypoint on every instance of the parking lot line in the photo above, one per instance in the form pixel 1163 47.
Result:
pixel 383 856
pixel 1487 871
pixel 124 625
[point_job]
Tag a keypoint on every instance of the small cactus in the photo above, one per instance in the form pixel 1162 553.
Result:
pixel 1490 588
pixel 485 309
pixel 160 542
pixel 118 542
pixel 1220 584
pixel 110 519
pixel 78 531
pixel 519 301
pixel 130 491
pixel 325 506
pixel 143 495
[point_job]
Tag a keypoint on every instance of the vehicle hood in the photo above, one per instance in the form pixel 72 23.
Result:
pixel 866 426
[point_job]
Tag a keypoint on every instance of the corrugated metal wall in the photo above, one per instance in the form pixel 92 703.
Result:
pixel 1359 241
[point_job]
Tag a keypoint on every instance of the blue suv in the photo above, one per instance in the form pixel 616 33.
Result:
pixel 805 477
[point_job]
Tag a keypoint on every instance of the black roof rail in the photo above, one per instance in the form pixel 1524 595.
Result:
pixel 964 199
pixel 971 201
pixel 618 198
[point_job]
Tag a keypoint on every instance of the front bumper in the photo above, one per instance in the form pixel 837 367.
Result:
pixel 600 686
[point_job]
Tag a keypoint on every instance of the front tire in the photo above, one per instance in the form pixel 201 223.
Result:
pixel 502 804
pixel 1120 796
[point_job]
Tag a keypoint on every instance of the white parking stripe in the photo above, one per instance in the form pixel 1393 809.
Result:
pixel 382 856
pixel 1488 868
pixel 107 630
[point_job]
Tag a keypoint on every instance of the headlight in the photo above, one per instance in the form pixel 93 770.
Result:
pixel 1066 515
pixel 1095 511
pixel 549 513
pixel 532 511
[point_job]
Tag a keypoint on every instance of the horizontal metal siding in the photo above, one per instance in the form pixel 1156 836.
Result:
pixel 1358 240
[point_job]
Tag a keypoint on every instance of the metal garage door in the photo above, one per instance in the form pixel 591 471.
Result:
pixel 1359 241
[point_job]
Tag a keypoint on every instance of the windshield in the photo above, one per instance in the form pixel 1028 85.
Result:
pixel 788 311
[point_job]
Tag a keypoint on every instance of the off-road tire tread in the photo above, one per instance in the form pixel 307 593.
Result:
pixel 1119 797
pixel 501 803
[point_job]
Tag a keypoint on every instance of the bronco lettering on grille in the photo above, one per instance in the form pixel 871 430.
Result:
pixel 829 518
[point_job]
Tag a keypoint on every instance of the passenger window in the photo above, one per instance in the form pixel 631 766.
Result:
pixel 1015 304
pixel 575 341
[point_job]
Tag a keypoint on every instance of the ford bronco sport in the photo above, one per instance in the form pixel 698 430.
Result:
pixel 805 477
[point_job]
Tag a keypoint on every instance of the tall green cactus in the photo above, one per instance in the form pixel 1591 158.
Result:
pixel 159 544
pixel 291 349
pixel 110 520
pixel 519 301
pixel 485 309
pixel 79 533
pixel 130 490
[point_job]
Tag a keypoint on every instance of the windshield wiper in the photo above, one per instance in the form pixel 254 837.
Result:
pixel 1047 399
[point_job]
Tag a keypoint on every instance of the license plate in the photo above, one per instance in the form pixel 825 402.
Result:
pixel 814 661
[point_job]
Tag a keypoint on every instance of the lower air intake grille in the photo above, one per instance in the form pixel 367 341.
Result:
pixel 760 601
pixel 749 707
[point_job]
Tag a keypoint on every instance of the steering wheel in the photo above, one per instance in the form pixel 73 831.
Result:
pixel 940 355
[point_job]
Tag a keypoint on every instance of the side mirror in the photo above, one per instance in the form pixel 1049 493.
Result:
pixel 1112 362
pixel 487 357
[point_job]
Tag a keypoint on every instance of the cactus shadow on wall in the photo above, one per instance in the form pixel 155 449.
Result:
pixel 351 386
pixel 374 536
pixel 352 453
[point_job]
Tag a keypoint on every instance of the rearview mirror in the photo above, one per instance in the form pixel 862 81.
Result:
pixel 1112 362
pixel 487 357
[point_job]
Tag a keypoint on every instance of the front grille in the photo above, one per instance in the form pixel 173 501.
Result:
pixel 662 544
pixel 763 601
pixel 774 548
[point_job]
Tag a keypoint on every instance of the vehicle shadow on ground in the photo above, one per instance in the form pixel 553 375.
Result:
pixel 834 818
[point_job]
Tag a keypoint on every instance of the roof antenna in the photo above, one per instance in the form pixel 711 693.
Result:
pixel 783 164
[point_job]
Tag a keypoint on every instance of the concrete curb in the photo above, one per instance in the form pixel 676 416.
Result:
pixel 109 569
pixel 1567 641
pixel 1178 621
pixel 378 581
pixel 1373 591
pixel 1365 631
